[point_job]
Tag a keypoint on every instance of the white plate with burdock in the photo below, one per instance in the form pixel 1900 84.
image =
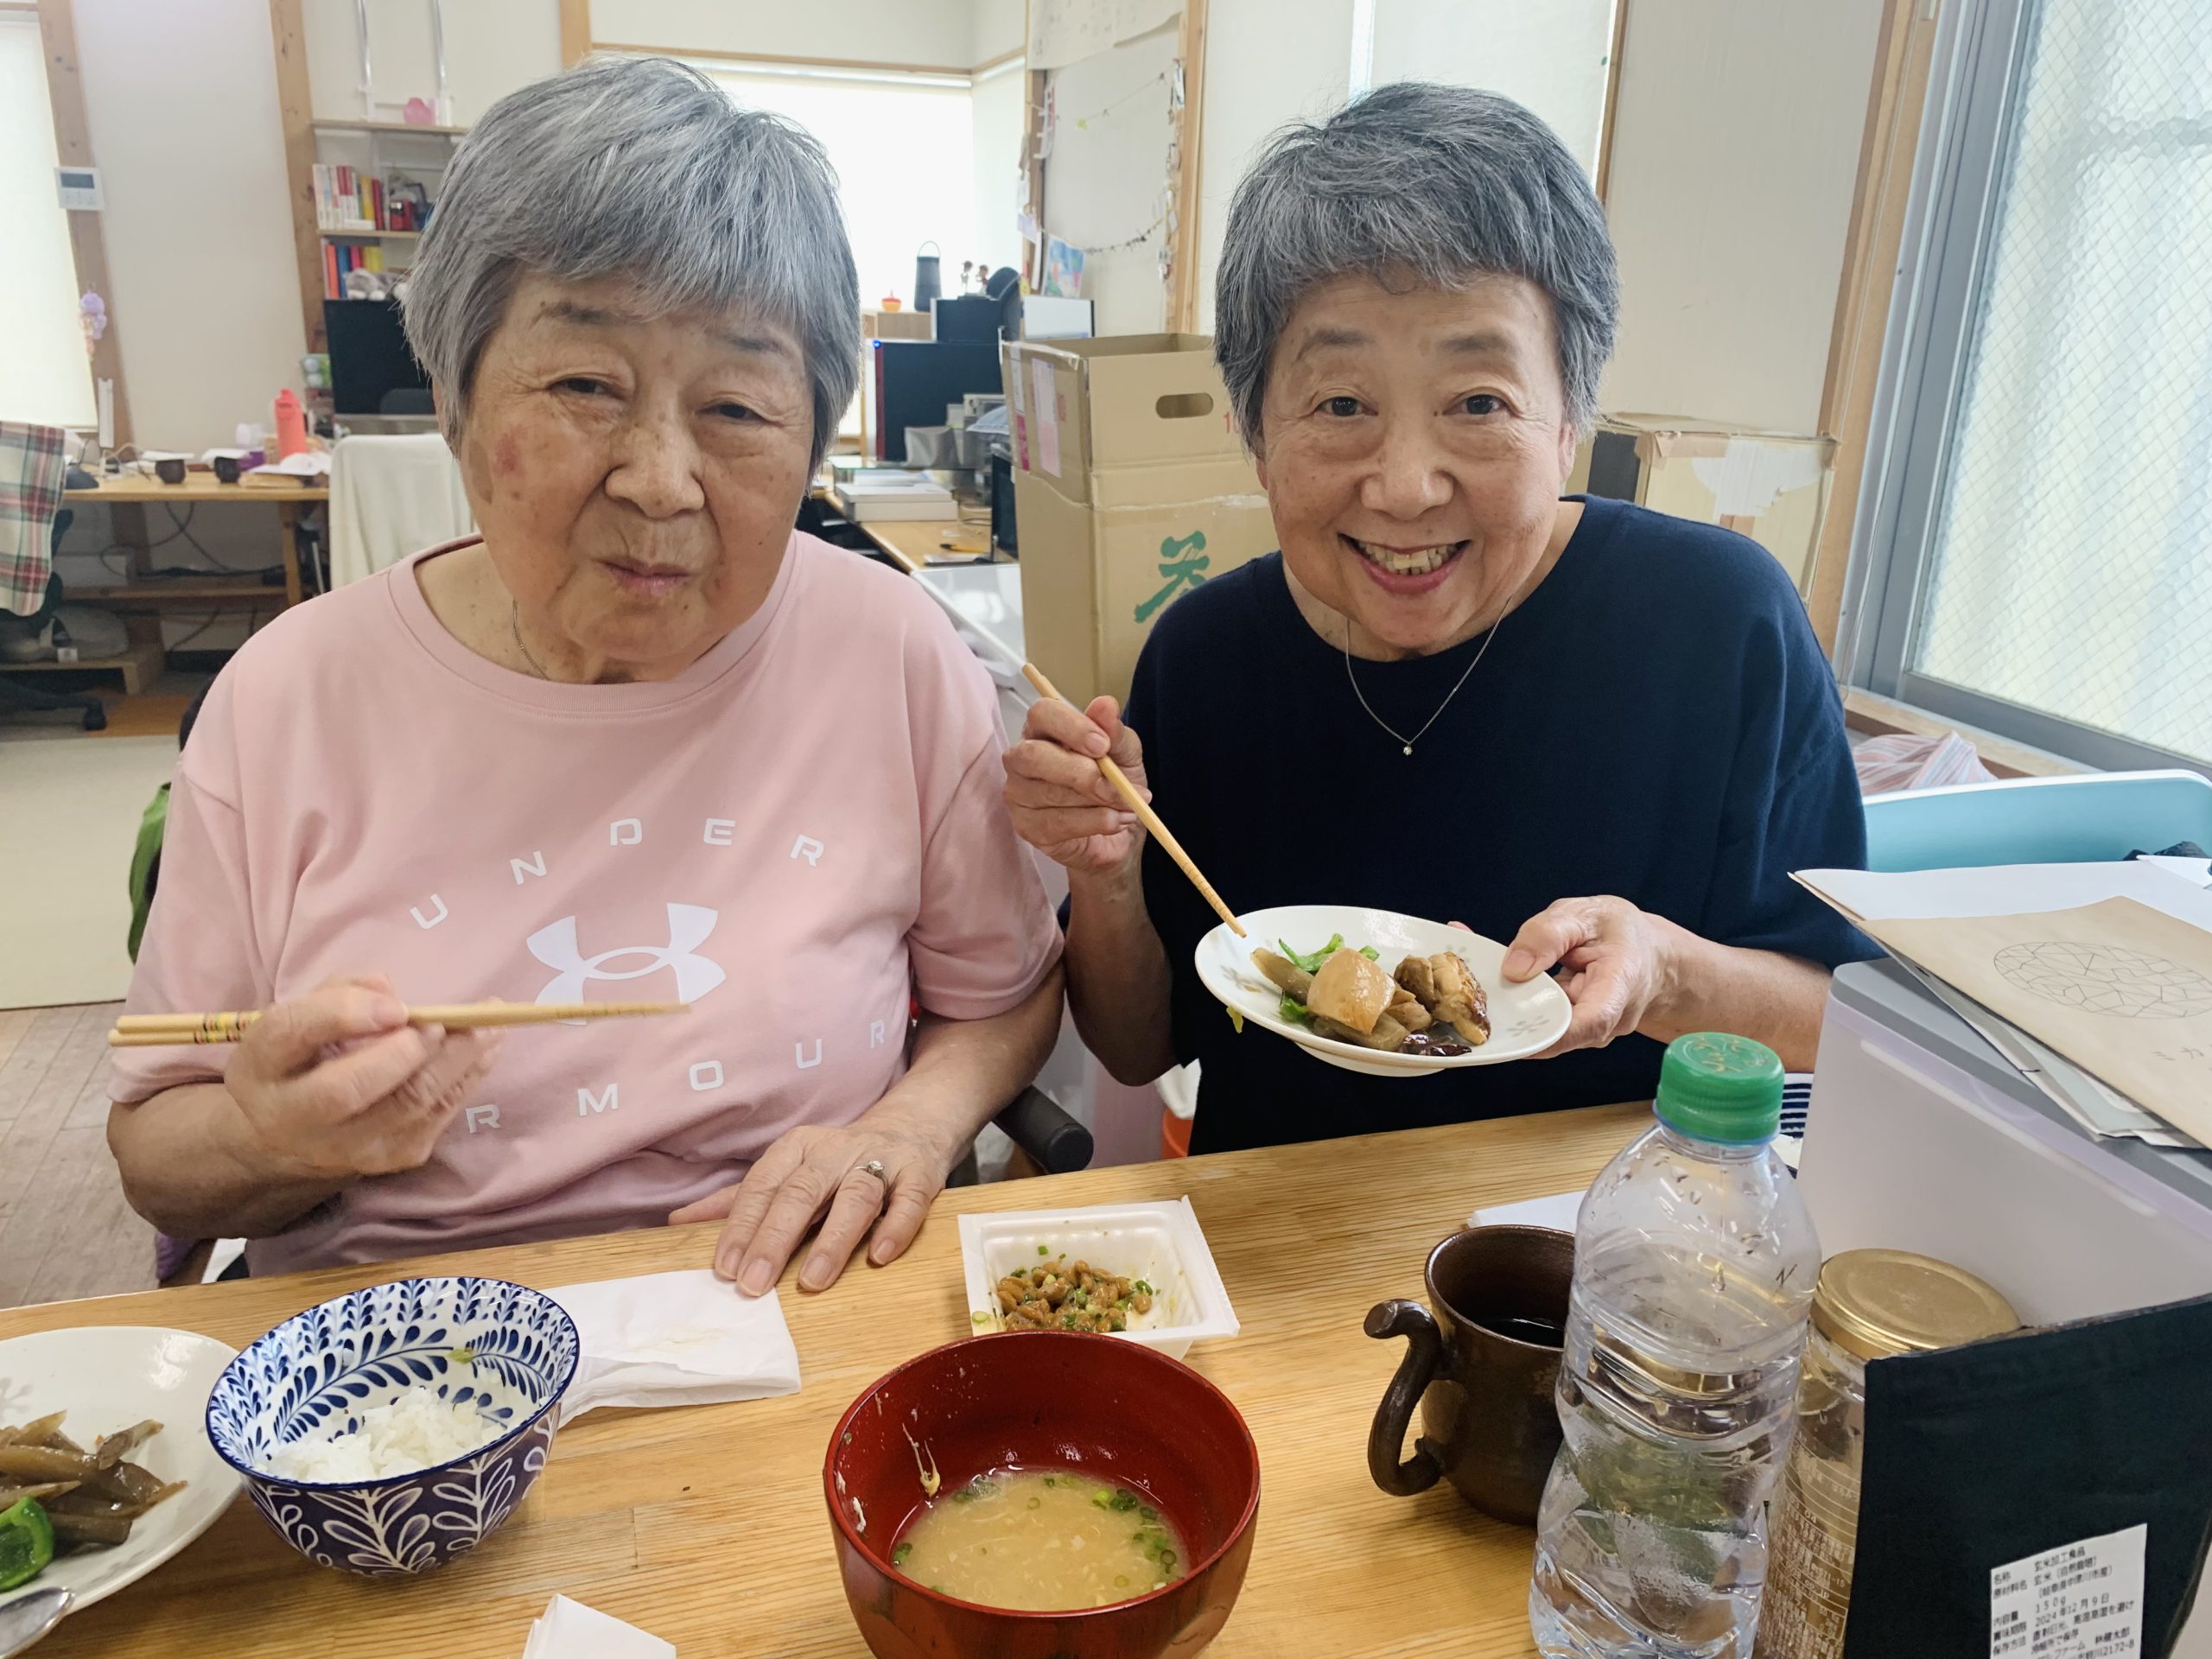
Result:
pixel 1377 992
pixel 105 1469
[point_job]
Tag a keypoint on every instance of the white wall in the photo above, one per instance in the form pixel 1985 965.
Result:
pixel 1550 57
pixel 996 106
pixel 995 29
pixel 1107 181
pixel 492 48
pixel 1268 62
pixel 181 101
pixel 936 32
pixel 182 104
pixel 1000 103
pixel 1734 161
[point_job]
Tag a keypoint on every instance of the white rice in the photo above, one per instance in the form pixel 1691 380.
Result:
pixel 413 1432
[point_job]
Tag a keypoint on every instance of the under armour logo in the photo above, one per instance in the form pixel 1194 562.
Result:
pixel 688 928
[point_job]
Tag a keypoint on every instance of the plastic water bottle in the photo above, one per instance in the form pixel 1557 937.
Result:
pixel 1695 1265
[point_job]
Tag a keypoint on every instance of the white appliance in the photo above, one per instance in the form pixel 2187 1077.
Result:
pixel 1922 1137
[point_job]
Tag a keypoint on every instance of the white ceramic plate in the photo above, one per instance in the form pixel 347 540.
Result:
pixel 107 1377
pixel 1525 1019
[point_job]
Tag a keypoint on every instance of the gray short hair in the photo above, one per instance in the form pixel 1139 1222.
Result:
pixel 643 168
pixel 1442 182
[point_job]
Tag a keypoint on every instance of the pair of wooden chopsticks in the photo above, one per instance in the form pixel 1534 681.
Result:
pixel 171 1030
pixel 1143 808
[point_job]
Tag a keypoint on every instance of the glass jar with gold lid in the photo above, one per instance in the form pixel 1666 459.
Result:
pixel 1868 1305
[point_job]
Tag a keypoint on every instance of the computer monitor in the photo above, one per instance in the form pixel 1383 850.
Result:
pixel 371 371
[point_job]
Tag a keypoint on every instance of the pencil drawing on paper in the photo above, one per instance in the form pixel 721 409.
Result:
pixel 2105 979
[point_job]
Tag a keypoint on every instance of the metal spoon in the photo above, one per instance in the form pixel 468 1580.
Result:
pixel 23 1621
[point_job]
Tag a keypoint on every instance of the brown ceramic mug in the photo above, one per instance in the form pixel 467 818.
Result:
pixel 1482 1369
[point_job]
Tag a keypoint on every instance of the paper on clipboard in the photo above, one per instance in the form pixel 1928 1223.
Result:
pixel 2097 1108
pixel 2122 989
pixel 2167 885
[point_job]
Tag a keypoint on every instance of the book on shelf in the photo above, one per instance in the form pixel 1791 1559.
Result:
pixel 340 259
pixel 342 199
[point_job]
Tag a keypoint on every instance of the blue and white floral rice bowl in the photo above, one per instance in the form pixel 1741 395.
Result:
pixel 509 1350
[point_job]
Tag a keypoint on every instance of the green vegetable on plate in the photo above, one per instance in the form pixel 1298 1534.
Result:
pixel 1310 961
pixel 26 1543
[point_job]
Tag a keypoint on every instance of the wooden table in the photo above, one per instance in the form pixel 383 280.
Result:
pixel 200 489
pixel 918 542
pixel 705 1525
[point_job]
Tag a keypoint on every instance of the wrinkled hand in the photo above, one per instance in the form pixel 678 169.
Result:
pixel 818 1174
pixel 1062 804
pixel 336 1084
pixel 1615 960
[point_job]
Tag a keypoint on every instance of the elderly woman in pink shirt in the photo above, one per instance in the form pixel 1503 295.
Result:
pixel 640 739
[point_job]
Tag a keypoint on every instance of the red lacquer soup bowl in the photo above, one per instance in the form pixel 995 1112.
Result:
pixel 1042 1400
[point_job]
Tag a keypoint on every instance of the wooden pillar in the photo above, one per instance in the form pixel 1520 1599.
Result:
pixel 294 107
pixel 1903 60
pixel 1033 170
pixel 1182 308
pixel 1612 98
pixel 576 31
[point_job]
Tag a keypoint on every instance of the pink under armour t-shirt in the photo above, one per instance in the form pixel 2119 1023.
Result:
pixel 795 835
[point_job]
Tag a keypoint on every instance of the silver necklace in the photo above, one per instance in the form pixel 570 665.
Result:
pixel 1407 742
pixel 534 667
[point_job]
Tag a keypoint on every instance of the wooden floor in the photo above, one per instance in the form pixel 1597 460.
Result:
pixel 151 714
pixel 155 712
pixel 65 1231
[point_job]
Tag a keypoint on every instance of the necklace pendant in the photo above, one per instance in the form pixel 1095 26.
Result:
pixel 1409 748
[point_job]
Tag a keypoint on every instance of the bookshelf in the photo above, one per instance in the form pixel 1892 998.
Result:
pixel 372 189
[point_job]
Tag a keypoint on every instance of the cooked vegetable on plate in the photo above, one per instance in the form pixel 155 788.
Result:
pixel 1430 1005
pixel 57 1497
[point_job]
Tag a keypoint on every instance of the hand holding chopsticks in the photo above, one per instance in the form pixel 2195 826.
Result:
pixel 1143 808
pixel 169 1030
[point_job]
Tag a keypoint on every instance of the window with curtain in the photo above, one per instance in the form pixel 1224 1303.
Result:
pixel 45 375
pixel 2047 570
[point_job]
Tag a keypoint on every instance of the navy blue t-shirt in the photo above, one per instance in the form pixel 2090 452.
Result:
pixel 1655 721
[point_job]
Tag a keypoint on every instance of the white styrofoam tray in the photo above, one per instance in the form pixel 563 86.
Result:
pixel 1158 1243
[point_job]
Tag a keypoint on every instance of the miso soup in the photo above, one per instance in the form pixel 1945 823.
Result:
pixel 1041 1541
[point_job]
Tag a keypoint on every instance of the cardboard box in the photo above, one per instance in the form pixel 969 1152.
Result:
pixel 1131 488
pixel 897 325
pixel 1770 486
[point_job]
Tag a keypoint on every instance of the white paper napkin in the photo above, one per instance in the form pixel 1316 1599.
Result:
pixel 676 1339
pixel 1560 1211
pixel 570 1629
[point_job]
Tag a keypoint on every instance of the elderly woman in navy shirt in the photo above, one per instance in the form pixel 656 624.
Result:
pixel 1604 733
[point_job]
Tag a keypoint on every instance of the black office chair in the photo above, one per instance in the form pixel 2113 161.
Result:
pixel 1041 1127
pixel 16 697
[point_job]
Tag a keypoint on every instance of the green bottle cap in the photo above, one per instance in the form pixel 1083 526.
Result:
pixel 1717 1087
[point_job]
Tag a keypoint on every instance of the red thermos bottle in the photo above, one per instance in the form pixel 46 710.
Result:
pixel 291 425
